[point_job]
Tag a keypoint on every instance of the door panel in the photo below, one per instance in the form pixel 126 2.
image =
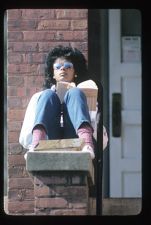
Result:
pixel 132 190
pixel 131 89
pixel 125 79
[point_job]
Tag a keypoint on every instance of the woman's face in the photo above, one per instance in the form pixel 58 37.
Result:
pixel 63 70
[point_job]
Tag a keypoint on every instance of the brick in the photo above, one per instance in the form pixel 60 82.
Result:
pixel 15 81
pixel 33 90
pixel 14 58
pixel 17 114
pixel 51 203
pixel 17 172
pixel 64 35
pixel 14 126
pixel 77 35
pixel 14 14
pixel 42 211
pixel 11 91
pixel 34 58
pixel 21 207
pixel 71 35
pixel 21 91
pixel 47 46
pixel 15 36
pixel 17 183
pixel 39 58
pixel 79 24
pixel 38 13
pixel 16 160
pixel 79 205
pixel 69 212
pixel 22 68
pixel 25 101
pixel 53 24
pixel 21 195
pixel 14 102
pixel 78 191
pixel 34 81
pixel 45 190
pixel 14 25
pixel 62 191
pixel 40 69
pixel 27 58
pixel 71 13
pixel 41 191
pixel 49 179
pixel 23 46
pixel 38 35
pixel 83 46
pixel 13 136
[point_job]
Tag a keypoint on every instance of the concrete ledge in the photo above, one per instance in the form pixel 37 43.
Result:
pixel 60 161
pixel 122 206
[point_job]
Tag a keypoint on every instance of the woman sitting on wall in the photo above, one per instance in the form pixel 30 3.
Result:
pixel 42 118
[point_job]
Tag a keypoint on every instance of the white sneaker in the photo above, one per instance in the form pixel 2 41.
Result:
pixel 88 148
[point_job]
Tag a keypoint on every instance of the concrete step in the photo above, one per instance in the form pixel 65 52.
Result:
pixel 119 206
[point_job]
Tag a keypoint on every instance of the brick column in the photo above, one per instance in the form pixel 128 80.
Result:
pixel 61 182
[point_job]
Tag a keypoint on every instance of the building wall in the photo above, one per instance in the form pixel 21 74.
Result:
pixel 31 34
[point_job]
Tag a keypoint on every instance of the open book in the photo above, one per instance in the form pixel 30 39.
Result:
pixel 89 87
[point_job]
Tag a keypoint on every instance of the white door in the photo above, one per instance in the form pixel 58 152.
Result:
pixel 125 94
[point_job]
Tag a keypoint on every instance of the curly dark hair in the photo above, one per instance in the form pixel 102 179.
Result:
pixel 71 54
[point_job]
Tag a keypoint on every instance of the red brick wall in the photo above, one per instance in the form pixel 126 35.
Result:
pixel 31 33
pixel 61 193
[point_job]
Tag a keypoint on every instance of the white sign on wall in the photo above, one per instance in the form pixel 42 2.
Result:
pixel 131 49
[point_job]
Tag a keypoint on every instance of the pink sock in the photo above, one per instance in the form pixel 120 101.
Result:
pixel 39 133
pixel 86 132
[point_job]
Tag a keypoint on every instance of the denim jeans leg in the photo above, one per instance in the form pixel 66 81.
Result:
pixel 48 113
pixel 76 112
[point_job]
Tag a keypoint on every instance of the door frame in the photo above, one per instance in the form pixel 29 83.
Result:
pixel 98 68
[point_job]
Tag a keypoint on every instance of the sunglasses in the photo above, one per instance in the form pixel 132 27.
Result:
pixel 66 65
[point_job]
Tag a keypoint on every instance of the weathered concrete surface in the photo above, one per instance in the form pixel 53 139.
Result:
pixel 60 161
pixel 118 206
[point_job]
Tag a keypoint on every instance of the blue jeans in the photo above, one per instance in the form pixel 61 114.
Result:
pixel 75 112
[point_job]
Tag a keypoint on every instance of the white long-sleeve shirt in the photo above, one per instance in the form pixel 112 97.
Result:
pixel 25 137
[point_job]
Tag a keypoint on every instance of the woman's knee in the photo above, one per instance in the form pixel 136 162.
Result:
pixel 75 92
pixel 48 94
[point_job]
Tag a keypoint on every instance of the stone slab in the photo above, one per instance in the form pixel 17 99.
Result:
pixel 73 144
pixel 60 161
